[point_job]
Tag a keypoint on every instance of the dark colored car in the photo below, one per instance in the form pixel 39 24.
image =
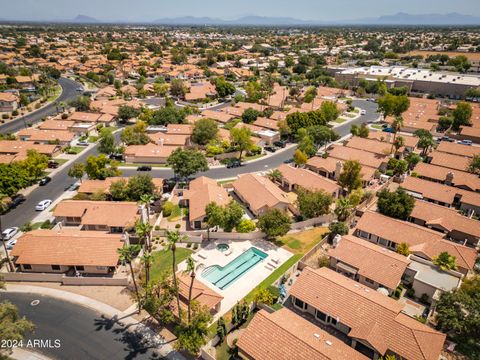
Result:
pixel 45 181
pixel 17 200
pixel 118 157
pixel 144 168
pixel 52 164
pixel 270 149
pixel 447 138
pixel 288 161
pixel 280 143
pixel 233 164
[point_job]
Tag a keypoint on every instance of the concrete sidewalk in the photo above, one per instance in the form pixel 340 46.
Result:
pixel 163 349
pixel 22 354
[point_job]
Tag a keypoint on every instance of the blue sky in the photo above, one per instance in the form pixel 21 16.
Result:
pixel 147 10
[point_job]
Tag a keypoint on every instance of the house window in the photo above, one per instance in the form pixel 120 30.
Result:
pixel 369 281
pixel 333 321
pixel 382 241
pixel 363 234
pixel 56 267
pixel 321 316
pixel 79 268
pixel 27 267
pixel 299 303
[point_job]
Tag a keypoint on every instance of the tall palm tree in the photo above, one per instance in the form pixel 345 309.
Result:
pixel 143 231
pixel 190 270
pixel 172 238
pixel 127 254
pixel 396 125
pixel 146 199
pixel 147 261
pixel 398 143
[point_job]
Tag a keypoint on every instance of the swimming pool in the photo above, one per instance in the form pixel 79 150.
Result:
pixel 224 276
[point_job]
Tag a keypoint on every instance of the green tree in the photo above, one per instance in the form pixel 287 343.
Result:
pixel 76 171
pixel 173 237
pixel 13 327
pixel 398 167
pixel 273 223
pixel 299 157
pixel 118 190
pixel 34 164
pixel 403 249
pixel 190 270
pixel 338 228
pixel 425 140
pixel 96 167
pixel 474 164
pixel 204 131
pixel 306 145
pixel 224 88
pixel 107 143
pixel 192 336
pixel 310 94
pixel 126 112
pixel 135 134
pixel 81 103
pixel 413 159
pixel 392 105
pixel 322 135
pixel 127 254
pixel 263 296
pixel 245 226
pixel 178 88
pixel 445 261
pixel 351 176
pixel 360 131
pixel 221 329
pixel 140 185
pixel 343 209
pixel 227 217
pixel 250 115
pixel 461 115
pixel 460 63
pixel 241 140
pixel 186 163
pixel 397 204
pixel 313 203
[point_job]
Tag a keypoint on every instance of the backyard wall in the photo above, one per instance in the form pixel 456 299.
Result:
pixel 65 280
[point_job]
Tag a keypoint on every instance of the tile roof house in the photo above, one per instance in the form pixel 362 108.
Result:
pixel 372 321
pixel 260 194
pixel 94 186
pixel 111 216
pixel 20 148
pixel 449 160
pixel 284 335
pixel 200 293
pixel 8 102
pixel 293 178
pixel 377 161
pixel 369 264
pixel 47 136
pixel 373 146
pixel 425 243
pixel 199 91
pixel 148 154
pixel 457 178
pixel 446 220
pixel 62 250
pixel 201 192
pixel 458 149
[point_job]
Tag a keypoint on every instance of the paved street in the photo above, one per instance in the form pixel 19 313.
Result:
pixel 83 333
pixel 69 92
pixel 26 211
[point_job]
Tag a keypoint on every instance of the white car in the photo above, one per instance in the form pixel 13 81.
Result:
pixel 363 112
pixel 7 234
pixel 42 205
pixel 11 244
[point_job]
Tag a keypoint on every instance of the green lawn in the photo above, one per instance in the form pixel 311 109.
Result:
pixel 92 139
pixel 75 150
pixel 340 121
pixel 56 93
pixel 253 157
pixel 301 242
pixel 61 161
pixel 162 261
pixel 137 165
pixel 376 126
pixel 176 214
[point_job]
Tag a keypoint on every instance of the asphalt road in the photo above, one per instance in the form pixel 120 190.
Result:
pixel 83 333
pixel 26 212
pixel 69 92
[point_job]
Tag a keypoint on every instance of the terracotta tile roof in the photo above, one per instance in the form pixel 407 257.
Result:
pixel 8 97
pixel 233 111
pixel 449 160
pixel 200 292
pixel 439 173
pixel 470 131
pixel 149 150
pixel 377 263
pixel 56 125
pixel 430 190
pixel 410 141
pixel 219 116
pixel 373 146
pixel 424 242
pixel 67 247
pixel 308 179
pixel 372 317
pixel 162 138
pixel 21 147
pixel 447 218
pixel 283 335
pixel 110 213
pixel 364 157
pixel 258 191
pixel 458 149
pixel 245 106
pixel 46 135
pixel 84 116
pixel 182 129
pixel 200 91
pixel 202 191
pixel 329 164
pixel 92 186
pixel 266 123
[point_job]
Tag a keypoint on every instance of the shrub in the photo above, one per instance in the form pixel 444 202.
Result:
pixel 157 227
pixel 46 225
pixel 195 246
pixel 245 226
pixel 410 292
pixel 178 226
pixel 424 298
pixel 64 116
pixel 15 113
pixel 275 292
pixel 189 245
pixel 168 208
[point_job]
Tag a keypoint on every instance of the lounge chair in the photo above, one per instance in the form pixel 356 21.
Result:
pixel 201 256
pixel 229 252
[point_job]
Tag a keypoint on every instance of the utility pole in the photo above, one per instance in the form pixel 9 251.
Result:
pixel 10 264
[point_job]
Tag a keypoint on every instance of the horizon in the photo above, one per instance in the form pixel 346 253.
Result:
pixel 147 11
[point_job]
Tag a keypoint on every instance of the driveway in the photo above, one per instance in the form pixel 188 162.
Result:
pixel 83 333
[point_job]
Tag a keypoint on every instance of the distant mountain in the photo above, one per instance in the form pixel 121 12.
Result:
pixel 84 19
pixel 428 19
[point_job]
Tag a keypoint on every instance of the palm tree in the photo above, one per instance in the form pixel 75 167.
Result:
pixel 190 270
pixel 143 231
pixel 343 209
pixel 275 175
pixel 398 143
pixel 172 238
pixel 147 261
pixel 396 125
pixel 127 254
pixel 146 199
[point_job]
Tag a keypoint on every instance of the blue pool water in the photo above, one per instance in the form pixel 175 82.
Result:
pixel 224 276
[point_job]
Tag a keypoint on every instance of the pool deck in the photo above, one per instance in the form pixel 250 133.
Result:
pixel 209 255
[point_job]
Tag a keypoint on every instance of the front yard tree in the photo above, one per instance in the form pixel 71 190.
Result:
pixel 127 254
pixel 224 88
pixel 461 115
pixel 107 142
pixel 300 158
pixel 96 167
pixel 13 327
pixel 397 204
pixel 204 131
pixel 178 88
pixel 474 165
pixel 351 176
pixel 35 163
pixel 425 140
pixel 192 336
pixel 140 185
pixel 172 238
pixel 273 223
pixel 77 171
pixel 313 203
pixel 126 113
pixel 241 139
pixel 322 135
pixel 186 163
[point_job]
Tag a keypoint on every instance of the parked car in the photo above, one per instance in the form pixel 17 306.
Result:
pixel 270 149
pixel 42 205
pixel 280 143
pixel 118 157
pixel 363 112
pixel 17 200
pixel 73 187
pixel 465 142
pixel 233 164
pixel 144 168
pixel 11 244
pixel 52 164
pixel 7 234
pixel 388 130
pixel 83 143
pixel 288 161
pixel 447 138
pixel 45 181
